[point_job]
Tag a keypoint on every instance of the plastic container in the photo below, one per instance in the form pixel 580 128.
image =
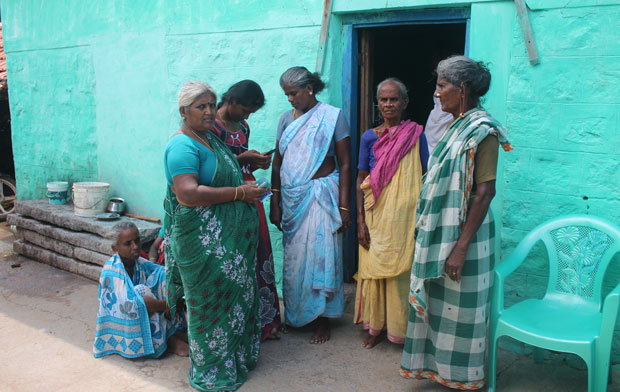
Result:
pixel 57 192
pixel 90 198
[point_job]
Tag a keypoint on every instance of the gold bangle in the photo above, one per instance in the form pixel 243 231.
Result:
pixel 243 197
pixel 275 190
pixel 343 209
pixel 236 188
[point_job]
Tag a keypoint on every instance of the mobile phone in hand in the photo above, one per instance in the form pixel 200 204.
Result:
pixel 265 184
pixel 269 152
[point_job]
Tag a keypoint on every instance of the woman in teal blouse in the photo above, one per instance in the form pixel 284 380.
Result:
pixel 211 224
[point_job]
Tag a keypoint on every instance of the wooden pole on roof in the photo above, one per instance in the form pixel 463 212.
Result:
pixel 320 60
pixel 528 34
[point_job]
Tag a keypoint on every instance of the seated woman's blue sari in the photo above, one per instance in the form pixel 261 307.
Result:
pixel 312 282
pixel 123 324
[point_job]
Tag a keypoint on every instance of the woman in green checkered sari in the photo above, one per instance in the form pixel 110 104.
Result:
pixel 211 234
pixel 451 276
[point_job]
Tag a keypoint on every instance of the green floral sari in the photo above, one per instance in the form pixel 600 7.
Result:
pixel 210 261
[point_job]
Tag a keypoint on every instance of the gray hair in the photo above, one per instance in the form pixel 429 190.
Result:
pixel 462 70
pixel 300 77
pixel 404 94
pixel 122 226
pixel 190 92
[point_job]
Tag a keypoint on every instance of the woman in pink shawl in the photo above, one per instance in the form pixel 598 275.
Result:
pixel 393 157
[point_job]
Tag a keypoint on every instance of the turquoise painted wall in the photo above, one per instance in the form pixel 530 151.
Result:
pixel 93 94
pixel 563 117
pixel 52 108
pixel 93 86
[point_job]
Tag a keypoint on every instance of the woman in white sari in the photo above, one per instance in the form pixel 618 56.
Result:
pixel 310 202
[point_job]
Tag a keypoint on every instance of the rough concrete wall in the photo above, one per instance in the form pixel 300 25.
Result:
pixel 563 117
pixel 52 112
pixel 94 85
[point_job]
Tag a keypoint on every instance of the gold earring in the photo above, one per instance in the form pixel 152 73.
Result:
pixel 310 92
pixel 461 115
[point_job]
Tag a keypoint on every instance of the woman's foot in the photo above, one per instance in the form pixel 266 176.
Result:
pixel 273 334
pixel 285 328
pixel 321 332
pixel 178 346
pixel 371 341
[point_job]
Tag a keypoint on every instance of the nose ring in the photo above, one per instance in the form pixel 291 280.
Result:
pixel 437 95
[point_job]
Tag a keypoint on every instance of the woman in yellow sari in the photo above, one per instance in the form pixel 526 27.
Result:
pixel 393 157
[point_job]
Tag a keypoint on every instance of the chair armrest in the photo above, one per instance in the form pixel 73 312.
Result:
pixel 516 258
pixel 508 266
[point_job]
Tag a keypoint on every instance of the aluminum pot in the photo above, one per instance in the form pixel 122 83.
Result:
pixel 117 205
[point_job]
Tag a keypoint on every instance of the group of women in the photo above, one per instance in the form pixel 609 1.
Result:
pixel 427 288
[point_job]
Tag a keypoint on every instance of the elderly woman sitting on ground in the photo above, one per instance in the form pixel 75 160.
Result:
pixel 133 318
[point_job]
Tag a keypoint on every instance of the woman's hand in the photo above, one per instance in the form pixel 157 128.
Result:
pixel 346 220
pixel 154 249
pixel 167 314
pixel 454 263
pixel 250 193
pixel 255 159
pixel 275 212
pixel 363 236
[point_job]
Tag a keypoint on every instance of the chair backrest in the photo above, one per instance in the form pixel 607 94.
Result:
pixel 580 248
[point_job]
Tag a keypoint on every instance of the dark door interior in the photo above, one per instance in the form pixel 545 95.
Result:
pixel 409 53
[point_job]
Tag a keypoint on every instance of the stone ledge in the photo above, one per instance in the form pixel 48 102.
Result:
pixel 86 270
pixel 82 240
pixel 91 257
pixel 62 215
pixel 64 248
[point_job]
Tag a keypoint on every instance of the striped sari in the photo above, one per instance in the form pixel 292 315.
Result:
pixel 446 334
pixel 210 259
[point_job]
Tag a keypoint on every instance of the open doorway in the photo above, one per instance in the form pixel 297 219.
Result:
pixel 407 47
pixel 409 53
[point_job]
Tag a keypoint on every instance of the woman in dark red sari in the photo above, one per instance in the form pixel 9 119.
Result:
pixel 237 104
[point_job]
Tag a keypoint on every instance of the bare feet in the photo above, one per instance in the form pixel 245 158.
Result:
pixel 178 346
pixel 371 341
pixel 321 332
pixel 273 335
pixel 285 328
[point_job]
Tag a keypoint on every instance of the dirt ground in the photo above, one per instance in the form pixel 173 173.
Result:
pixel 47 324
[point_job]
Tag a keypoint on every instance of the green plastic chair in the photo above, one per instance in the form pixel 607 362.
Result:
pixel 571 317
